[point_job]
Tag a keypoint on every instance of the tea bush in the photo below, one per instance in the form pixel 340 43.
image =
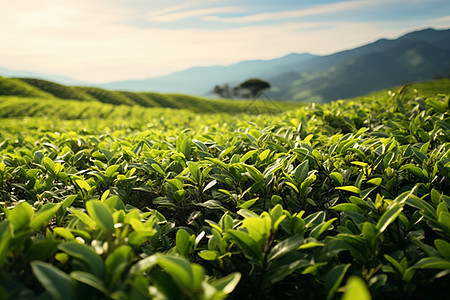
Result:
pixel 344 200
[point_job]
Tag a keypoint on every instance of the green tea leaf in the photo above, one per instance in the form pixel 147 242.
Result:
pixel 247 155
pixel 183 145
pixel 44 215
pixel 433 263
pixel 85 254
pixel 264 155
pixel 310 244
pixel 64 233
pixel 284 247
pixel 334 279
pixel 136 238
pixel 375 181
pixel 100 213
pixel 211 184
pixel 347 207
pixel 228 283
pixel 198 276
pixel 194 170
pixel 248 245
pixel 319 229
pixel 314 268
pixel 158 169
pixel 301 172
pixel 426 209
pixel 144 264
pixel 91 280
pixel 258 227
pixel 49 165
pixel 255 173
pixel 370 233
pixel 443 248
pixel 179 269
pixel 389 216
pixel 297 224
pixel 395 263
pixel 5 236
pixel 414 170
pixel 116 262
pixel 83 184
pixel 20 216
pixel 83 217
pixel 356 289
pixel 209 254
pixel 337 178
pixel 175 184
pixel 248 204
pixel 183 242
pixel 55 281
pixel 444 221
pixel 111 170
pixel 349 188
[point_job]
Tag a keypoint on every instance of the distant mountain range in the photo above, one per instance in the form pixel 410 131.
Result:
pixel 201 80
pixel 416 56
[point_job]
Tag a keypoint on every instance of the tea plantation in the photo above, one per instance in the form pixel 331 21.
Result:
pixel 347 200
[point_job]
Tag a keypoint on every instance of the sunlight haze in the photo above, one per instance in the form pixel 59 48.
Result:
pixel 100 41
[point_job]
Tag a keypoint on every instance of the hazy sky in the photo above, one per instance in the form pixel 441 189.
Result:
pixel 106 40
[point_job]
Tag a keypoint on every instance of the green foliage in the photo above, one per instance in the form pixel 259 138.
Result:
pixel 344 200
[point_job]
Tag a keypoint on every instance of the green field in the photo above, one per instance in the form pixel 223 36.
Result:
pixel 117 195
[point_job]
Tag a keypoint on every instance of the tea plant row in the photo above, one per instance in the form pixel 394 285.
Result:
pixel 349 198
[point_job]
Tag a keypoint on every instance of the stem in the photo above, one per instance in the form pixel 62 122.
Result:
pixel 261 277
pixel 267 248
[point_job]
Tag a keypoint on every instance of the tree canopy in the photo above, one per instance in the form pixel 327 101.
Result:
pixel 255 86
pixel 250 88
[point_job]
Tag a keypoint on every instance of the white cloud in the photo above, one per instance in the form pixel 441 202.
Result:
pixel 181 15
pixel 283 15
pixel 444 21
pixel 170 9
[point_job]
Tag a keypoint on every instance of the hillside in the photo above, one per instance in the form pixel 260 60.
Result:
pixel 424 89
pixel 417 56
pixel 46 90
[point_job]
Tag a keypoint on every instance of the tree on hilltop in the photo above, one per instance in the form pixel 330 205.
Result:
pixel 251 88
pixel 254 86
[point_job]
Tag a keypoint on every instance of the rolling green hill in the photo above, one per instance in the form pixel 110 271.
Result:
pixel 46 90
pixel 426 89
